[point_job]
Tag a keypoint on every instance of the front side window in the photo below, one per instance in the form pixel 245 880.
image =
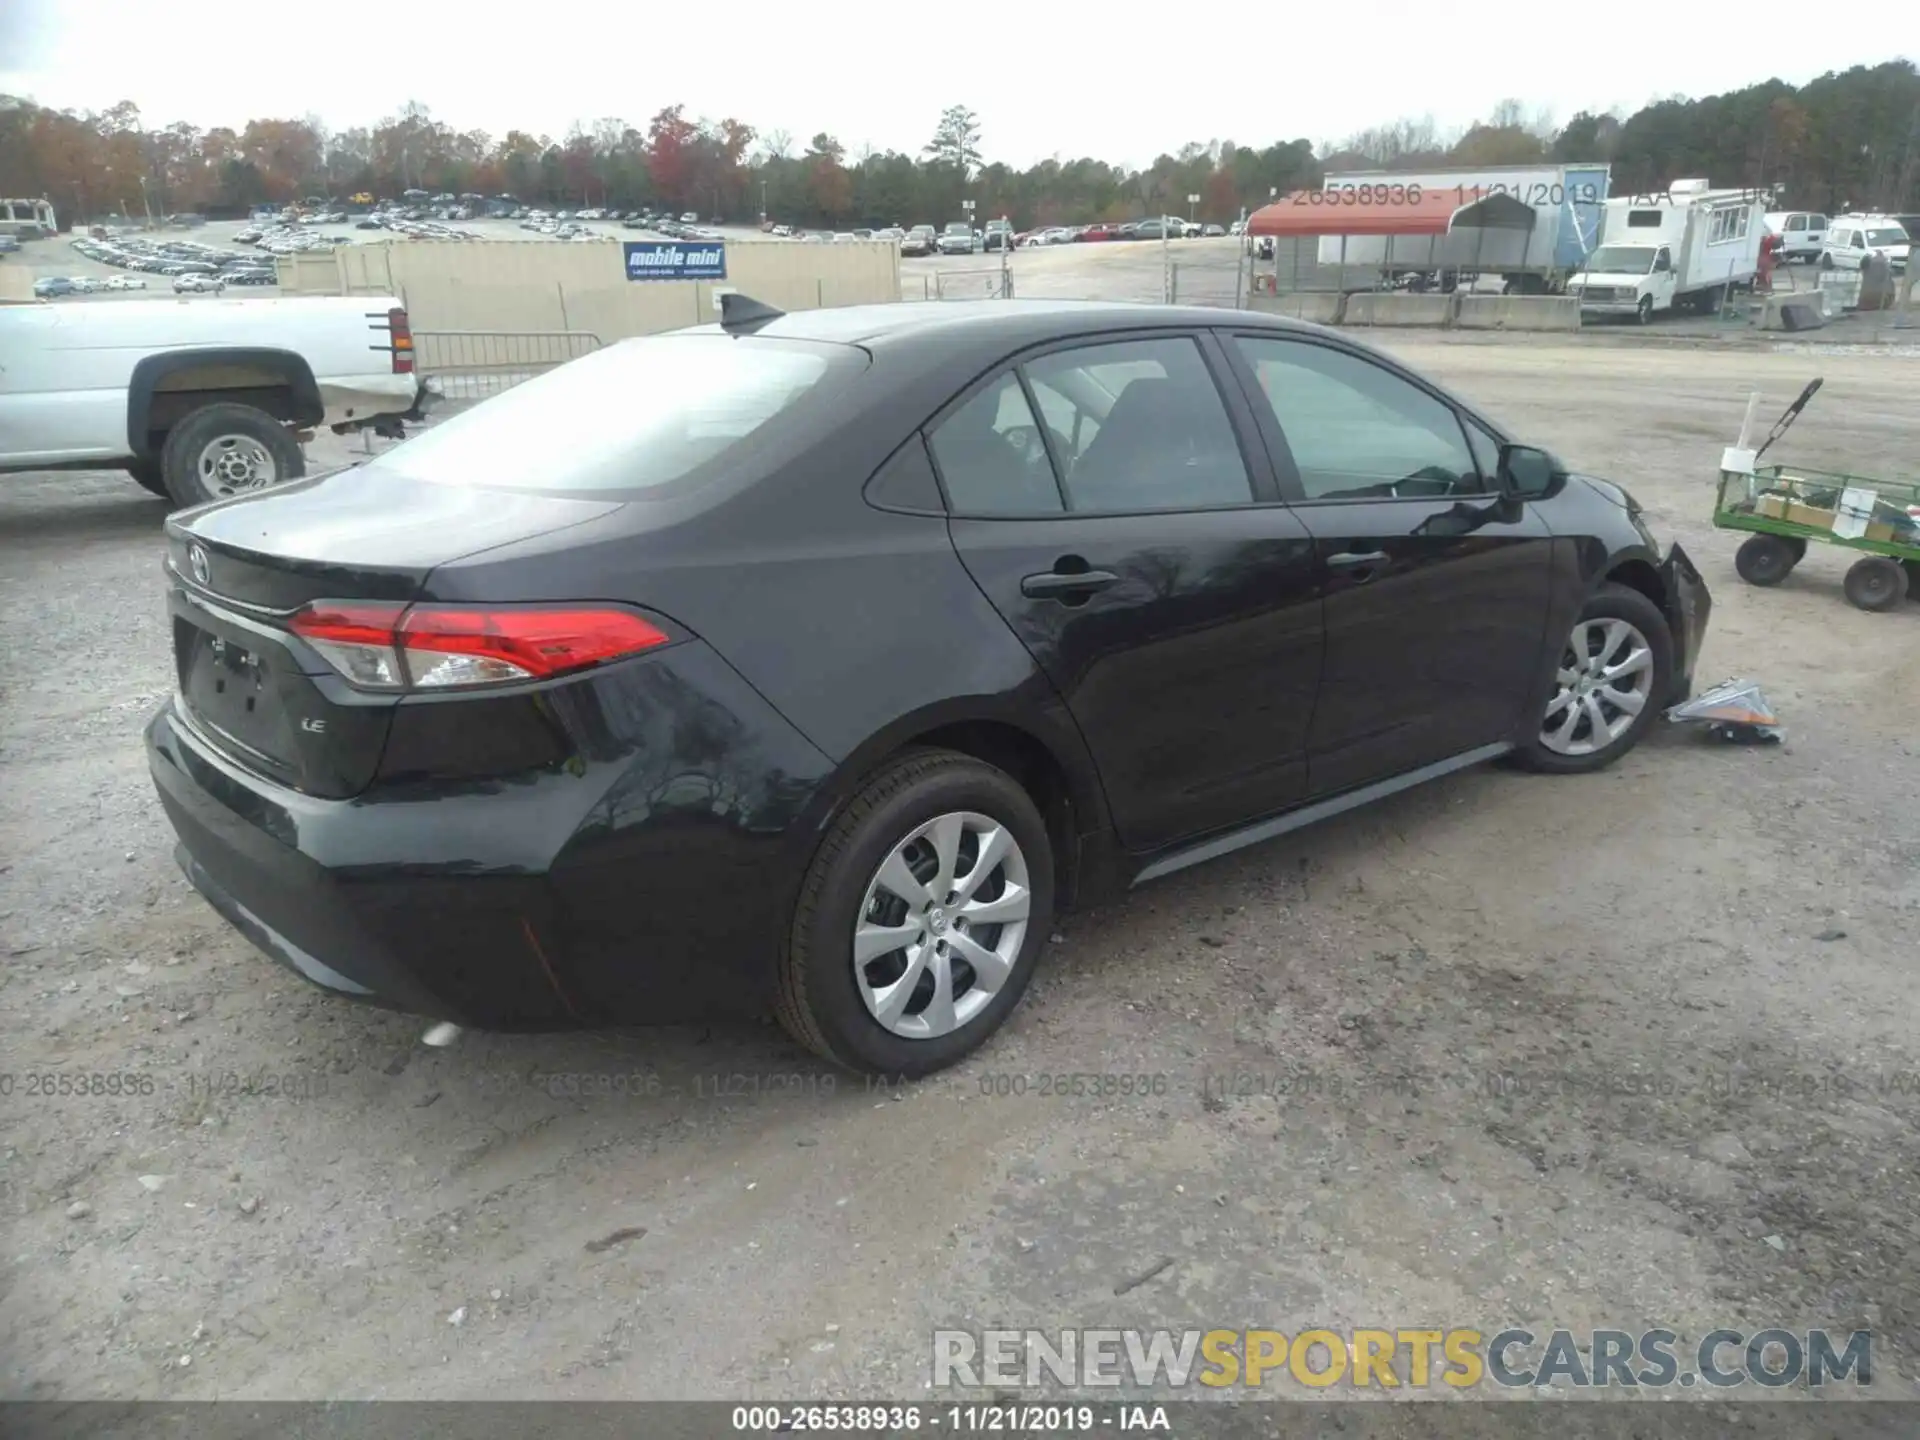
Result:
pixel 1139 425
pixel 1356 430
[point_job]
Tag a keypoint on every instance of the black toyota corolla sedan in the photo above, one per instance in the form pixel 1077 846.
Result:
pixel 815 662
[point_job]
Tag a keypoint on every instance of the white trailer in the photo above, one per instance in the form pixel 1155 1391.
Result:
pixel 1684 250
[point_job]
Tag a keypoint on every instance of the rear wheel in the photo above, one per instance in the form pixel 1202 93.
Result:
pixel 1615 671
pixel 1876 583
pixel 1767 559
pixel 920 919
pixel 219 451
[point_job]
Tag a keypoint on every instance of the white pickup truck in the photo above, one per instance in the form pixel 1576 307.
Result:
pixel 199 399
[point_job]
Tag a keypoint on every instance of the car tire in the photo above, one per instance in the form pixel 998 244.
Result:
pixel 1876 582
pixel 223 450
pixel 1766 559
pixel 147 473
pixel 829 1002
pixel 1643 312
pixel 1549 745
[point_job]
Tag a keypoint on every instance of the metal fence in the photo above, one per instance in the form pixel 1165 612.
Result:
pixel 994 284
pixel 470 365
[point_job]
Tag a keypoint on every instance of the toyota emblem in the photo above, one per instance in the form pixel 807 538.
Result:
pixel 197 560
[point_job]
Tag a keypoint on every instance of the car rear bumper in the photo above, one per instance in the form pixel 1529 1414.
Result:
pixel 646 878
pixel 1689 603
pixel 281 868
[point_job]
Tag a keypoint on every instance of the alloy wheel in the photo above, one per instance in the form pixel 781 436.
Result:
pixel 229 464
pixel 1604 682
pixel 941 925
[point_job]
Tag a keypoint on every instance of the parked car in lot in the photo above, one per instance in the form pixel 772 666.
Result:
pixel 52 286
pixel 920 240
pixel 126 282
pixel 877 638
pixel 197 284
pixel 959 238
pixel 1100 232
pixel 1852 238
pixel 1802 234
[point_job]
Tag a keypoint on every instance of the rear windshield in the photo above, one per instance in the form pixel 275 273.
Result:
pixel 639 415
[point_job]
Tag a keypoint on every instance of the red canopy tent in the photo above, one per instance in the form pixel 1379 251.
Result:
pixel 1436 211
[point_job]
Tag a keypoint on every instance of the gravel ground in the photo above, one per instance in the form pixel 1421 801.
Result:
pixel 1693 969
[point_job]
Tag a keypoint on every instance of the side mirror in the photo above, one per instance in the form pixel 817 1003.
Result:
pixel 1529 473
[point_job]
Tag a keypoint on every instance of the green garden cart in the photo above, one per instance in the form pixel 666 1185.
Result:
pixel 1784 507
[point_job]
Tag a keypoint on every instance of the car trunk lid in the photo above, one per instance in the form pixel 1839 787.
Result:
pixel 239 570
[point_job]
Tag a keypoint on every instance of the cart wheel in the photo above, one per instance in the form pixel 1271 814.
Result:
pixel 1799 544
pixel 1766 559
pixel 1876 583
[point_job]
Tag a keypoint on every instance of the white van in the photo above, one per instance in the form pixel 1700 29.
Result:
pixel 1801 234
pixel 1854 237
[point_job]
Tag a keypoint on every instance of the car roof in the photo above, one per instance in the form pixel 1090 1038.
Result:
pixel 1017 322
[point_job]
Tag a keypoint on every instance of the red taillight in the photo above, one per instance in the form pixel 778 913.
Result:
pixel 402 341
pixel 435 647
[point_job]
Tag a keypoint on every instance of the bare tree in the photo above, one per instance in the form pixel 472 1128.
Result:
pixel 1508 114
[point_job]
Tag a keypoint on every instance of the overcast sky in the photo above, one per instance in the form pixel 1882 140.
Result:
pixel 1120 81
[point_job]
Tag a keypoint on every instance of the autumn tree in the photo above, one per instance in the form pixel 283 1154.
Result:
pixel 829 187
pixel 670 158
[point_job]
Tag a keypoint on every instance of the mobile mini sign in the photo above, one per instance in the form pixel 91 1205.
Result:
pixel 675 260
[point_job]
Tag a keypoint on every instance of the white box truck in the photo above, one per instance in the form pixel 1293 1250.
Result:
pixel 1683 250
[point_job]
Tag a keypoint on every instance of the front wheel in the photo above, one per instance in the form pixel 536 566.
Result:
pixel 1643 312
pixel 1614 673
pixel 920 919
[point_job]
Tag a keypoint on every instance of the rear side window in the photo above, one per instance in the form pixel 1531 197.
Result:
pixel 640 415
pixel 1139 425
pixel 992 457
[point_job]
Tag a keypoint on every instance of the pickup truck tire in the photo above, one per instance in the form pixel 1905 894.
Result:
pixel 147 472
pixel 223 450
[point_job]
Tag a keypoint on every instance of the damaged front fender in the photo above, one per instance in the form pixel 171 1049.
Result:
pixel 1687 605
